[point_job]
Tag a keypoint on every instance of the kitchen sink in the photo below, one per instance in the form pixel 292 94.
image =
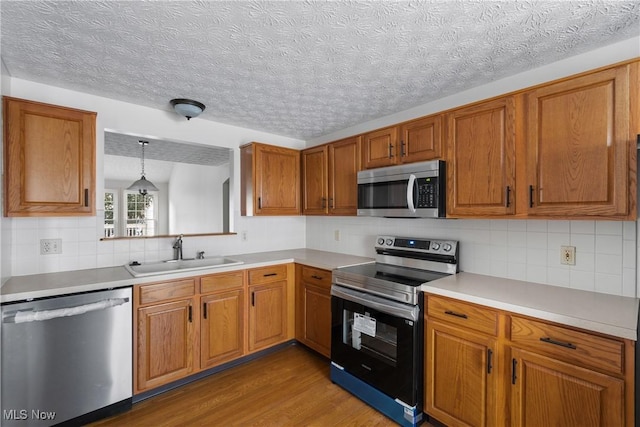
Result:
pixel 151 268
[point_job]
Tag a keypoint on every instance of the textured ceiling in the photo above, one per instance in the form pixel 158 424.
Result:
pixel 300 69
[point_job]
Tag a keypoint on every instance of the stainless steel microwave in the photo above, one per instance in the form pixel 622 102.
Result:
pixel 414 190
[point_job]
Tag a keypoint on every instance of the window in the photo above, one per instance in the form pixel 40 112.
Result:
pixel 141 214
pixel 137 217
pixel 110 212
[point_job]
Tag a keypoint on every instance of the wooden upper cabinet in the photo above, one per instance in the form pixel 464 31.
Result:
pixel 379 148
pixel 578 143
pixel 315 181
pixel 481 159
pixel 270 180
pixel 414 141
pixel 49 159
pixel 421 139
pixel 330 178
pixel 344 164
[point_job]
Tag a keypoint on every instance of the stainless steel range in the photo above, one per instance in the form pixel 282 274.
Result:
pixel 377 323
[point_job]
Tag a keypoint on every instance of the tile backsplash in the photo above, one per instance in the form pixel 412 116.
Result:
pixel 517 249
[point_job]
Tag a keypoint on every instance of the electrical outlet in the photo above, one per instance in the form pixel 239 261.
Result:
pixel 50 246
pixel 568 255
pixel 243 235
pixel 336 235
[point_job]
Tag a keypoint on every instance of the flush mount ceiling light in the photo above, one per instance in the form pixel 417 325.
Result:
pixel 187 107
pixel 143 186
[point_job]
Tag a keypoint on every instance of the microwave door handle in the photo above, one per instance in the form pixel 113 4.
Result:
pixel 410 184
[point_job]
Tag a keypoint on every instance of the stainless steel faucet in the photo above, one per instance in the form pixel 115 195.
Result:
pixel 177 248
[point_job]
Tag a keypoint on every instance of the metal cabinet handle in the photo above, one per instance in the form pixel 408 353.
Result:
pixel 253 299
pixel 332 203
pixel 324 202
pixel 402 150
pixel 531 196
pixel 86 197
pixel 453 313
pixel 489 360
pixel 190 313
pixel 204 310
pixel 508 196
pixel 390 151
pixel 514 366
pixel 259 202
pixel 269 274
pixel 316 277
pixel 560 343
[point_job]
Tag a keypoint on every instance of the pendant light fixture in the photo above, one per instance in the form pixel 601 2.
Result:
pixel 143 186
pixel 187 107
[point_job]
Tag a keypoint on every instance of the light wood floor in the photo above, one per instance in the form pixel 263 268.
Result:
pixel 290 387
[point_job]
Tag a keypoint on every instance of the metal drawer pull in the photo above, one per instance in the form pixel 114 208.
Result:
pixel 508 197
pixel 269 274
pixel 560 343
pixel 514 366
pixel 316 277
pixel 453 313
pixel 489 361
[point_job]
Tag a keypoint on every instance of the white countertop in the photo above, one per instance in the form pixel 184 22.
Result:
pixel 21 288
pixel 604 313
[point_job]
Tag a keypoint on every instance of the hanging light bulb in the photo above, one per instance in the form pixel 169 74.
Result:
pixel 142 185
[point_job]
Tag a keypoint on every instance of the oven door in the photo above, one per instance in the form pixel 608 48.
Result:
pixel 378 341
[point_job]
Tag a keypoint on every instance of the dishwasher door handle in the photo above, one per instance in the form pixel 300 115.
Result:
pixel 25 316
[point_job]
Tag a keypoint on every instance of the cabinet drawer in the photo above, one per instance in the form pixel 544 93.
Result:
pixel 220 282
pixel 167 290
pixel 316 276
pixel 572 346
pixel 463 314
pixel 269 274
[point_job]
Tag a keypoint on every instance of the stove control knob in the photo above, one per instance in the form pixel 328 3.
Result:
pixel 380 241
pixel 435 246
pixel 389 242
pixel 446 247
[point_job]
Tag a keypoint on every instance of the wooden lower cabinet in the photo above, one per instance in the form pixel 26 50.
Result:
pixel 267 314
pixel 467 358
pixel 530 372
pixel 189 325
pixel 549 392
pixel 221 327
pixel 165 342
pixel 313 308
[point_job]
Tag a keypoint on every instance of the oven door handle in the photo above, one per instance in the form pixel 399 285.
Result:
pixel 410 184
pixel 409 312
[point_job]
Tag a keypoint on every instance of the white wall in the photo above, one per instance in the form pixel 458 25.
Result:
pixel 80 246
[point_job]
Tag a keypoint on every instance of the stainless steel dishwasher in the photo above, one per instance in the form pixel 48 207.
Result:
pixel 66 359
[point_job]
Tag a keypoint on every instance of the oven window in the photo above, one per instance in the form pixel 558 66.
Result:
pixel 370 336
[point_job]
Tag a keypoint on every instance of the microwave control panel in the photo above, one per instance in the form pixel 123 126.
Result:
pixel 427 189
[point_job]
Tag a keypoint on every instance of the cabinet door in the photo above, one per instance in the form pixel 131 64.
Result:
pixel 165 336
pixel 49 159
pixel 317 318
pixel 344 164
pixel 548 392
pixel 315 200
pixel 277 178
pixel 222 327
pixel 421 139
pixel 578 146
pixel 460 376
pixel 267 314
pixel 379 148
pixel 481 154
